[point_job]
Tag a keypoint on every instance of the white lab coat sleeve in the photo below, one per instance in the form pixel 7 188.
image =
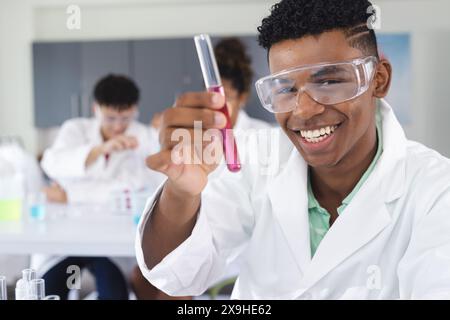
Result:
pixel 222 230
pixel 67 156
pixel 424 271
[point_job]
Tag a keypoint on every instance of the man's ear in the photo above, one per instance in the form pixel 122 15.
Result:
pixel 383 78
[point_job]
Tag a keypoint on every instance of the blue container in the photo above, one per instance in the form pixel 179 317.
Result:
pixel 37 212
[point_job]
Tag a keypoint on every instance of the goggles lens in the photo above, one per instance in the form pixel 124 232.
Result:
pixel 327 84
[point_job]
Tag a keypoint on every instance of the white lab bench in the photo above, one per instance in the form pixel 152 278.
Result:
pixel 71 230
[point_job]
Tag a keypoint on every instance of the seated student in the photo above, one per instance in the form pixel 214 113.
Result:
pixel 236 72
pixel 105 151
pixel 91 159
pixel 355 211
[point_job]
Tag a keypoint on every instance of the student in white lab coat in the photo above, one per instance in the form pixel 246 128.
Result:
pixel 355 211
pixel 89 161
pixel 104 152
pixel 235 69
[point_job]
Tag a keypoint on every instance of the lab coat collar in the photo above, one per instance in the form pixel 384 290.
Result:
pixel 392 161
pixel 357 225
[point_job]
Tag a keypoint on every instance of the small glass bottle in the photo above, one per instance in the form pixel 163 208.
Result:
pixel 23 285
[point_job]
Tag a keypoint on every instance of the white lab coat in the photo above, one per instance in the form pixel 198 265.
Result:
pixel 64 163
pixel 392 241
pixel 244 124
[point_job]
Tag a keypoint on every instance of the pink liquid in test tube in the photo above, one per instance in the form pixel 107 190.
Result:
pixel 229 144
pixel 213 84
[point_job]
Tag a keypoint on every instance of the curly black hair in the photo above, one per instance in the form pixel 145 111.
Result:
pixel 117 92
pixel 234 63
pixel 293 19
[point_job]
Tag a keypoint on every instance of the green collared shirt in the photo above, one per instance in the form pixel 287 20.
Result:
pixel 319 218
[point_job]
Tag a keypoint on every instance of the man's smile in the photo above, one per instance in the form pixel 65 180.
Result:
pixel 316 138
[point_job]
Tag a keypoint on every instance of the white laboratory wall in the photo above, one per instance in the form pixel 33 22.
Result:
pixel 22 22
pixel 429 25
pixel 16 33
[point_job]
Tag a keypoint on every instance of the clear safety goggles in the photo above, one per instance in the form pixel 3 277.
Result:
pixel 112 120
pixel 325 83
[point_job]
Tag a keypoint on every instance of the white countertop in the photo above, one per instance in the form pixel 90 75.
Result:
pixel 71 230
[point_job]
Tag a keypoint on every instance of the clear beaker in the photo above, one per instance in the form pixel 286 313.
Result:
pixel 37 289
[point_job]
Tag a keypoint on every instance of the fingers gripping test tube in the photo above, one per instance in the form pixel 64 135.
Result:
pixel 213 83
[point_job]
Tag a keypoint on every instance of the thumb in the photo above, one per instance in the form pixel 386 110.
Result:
pixel 162 162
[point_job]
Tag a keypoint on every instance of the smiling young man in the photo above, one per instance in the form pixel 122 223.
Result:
pixel 355 211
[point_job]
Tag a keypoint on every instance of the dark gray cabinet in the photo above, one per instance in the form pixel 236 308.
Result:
pixel 158 70
pixel 97 60
pixel 57 74
pixel 65 74
pixel 163 69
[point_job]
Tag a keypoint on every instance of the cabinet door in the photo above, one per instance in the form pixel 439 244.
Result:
pixel 158 70
pixel 99 59
pixel 56 75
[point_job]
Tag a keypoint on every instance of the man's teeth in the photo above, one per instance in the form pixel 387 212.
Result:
pixel 318 135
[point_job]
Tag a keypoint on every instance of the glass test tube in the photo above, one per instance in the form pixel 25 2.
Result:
pixel 37 289
pixel 213 83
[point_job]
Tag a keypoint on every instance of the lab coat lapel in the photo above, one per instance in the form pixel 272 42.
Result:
pixel 364 218
pixel 288 196
pixel 366 215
